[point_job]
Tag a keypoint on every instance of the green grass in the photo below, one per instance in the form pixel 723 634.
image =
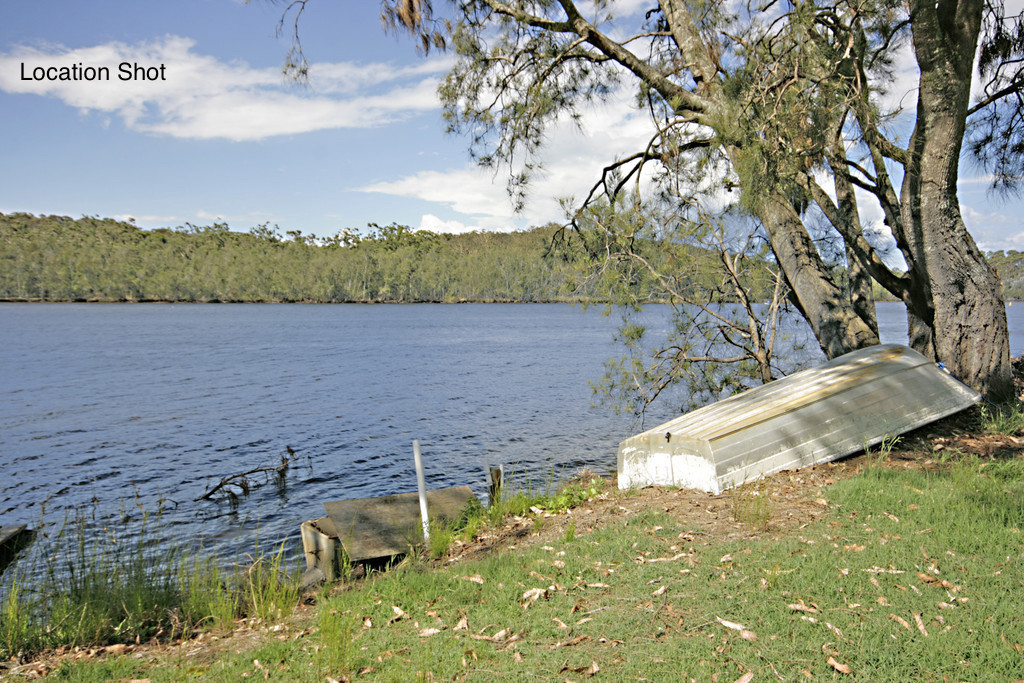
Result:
pixel 913 575
pixel 1006 419
pixel 751 504
pixel 97 588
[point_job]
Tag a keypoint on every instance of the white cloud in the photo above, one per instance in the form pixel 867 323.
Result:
pixel 205 98
pixel 469 190
pixel 994 230
pixel 236 220
pixel 145 220
pixel 434 224
pixel 572 162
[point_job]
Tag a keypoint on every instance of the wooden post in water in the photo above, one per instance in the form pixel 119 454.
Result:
pixel 494 486
pixel 423 490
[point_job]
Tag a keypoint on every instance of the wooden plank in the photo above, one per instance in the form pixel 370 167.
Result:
pixel 385 526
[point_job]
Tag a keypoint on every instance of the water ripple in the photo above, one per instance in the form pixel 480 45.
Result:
pixel 153 404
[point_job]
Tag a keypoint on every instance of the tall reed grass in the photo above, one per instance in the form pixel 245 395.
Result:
pixel 90 584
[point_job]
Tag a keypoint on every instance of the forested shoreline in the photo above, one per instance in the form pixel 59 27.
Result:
pixel 91 259
pixel 56 258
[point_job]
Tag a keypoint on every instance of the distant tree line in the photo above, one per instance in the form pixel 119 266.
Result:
pixel 1010 265
pixel 56 258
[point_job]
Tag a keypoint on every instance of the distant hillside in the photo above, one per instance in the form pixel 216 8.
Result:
pixel 55 258
pixel 1010 265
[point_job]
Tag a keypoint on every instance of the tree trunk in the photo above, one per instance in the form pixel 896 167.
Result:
pixel 820 299
pixel 968 315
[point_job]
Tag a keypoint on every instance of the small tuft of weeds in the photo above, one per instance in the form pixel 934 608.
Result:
pixel 884 448
pixel 751 504
pixel 1007 419
pixel 266 589
pixel 575 492
pixel 334 653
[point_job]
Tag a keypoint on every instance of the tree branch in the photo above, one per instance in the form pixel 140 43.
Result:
pixel 577 25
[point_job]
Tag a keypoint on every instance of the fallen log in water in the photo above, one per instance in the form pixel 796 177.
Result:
pixel 241 480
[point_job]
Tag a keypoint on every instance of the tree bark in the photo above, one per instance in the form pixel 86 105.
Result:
pixel 822 301
pixel 957 289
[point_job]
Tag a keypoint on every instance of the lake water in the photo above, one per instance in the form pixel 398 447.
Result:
pixel 111 408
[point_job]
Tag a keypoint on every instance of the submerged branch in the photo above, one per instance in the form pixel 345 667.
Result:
pixel 241 480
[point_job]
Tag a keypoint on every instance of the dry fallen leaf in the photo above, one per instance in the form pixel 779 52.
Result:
pixel 501 636
pixel 644 560
pixel 920 624
pixel 463 624
pixel 841 668
pixel 569 643
pixel 427 632
pixel 936 581
pixel 660 591
pixel 799 606
pixel 746 678
pixel 586 671
pixel 730 624
pixel 532 595
pixel 826 624
pixel 901 621
pixel 559 623
pixel 475 578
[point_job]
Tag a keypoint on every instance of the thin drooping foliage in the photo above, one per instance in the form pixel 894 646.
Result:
pixel 787 105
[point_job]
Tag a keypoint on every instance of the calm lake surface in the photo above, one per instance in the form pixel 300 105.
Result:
pixel 112 408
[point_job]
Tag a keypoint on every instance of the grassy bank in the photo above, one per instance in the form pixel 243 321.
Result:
pixel 97 585
pixel 909 573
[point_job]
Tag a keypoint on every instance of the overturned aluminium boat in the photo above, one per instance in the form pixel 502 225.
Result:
pixel 813 416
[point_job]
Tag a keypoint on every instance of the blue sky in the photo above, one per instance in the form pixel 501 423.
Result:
pixel 228 138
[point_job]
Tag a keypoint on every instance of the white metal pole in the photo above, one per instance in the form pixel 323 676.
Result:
pixel 423 490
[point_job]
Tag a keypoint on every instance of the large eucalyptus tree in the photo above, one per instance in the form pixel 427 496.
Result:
pixel 789 97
